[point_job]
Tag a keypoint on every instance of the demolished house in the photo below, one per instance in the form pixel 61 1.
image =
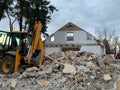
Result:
pixel 71 70
pixel 72 37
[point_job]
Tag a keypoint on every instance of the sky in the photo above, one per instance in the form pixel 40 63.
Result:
pixel 86 14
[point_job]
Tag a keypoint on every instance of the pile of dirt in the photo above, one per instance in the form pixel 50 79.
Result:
pixel 66 71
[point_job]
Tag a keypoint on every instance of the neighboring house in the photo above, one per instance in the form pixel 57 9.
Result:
pixel 72 37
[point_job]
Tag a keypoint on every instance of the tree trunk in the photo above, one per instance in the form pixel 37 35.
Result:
pixel 107 46
pixel 20 23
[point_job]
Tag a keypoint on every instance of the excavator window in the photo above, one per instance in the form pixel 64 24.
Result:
pixel 13 41
pixel 21 41
pixel 5 40
pixel 2 39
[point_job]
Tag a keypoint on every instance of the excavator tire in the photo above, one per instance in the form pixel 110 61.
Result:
pixel 7 65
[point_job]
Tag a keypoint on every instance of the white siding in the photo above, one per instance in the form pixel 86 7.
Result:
pixel 80 37
pixel 50 50
pixel 92 48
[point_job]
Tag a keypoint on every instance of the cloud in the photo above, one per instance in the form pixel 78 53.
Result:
pixel 85 13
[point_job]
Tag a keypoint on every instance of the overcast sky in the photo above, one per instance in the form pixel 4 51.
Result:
pixel 87 14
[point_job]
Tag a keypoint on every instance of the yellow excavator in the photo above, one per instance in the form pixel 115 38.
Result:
pixel 20 49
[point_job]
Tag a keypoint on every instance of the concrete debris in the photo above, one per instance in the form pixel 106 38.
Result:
pixel 69 69
pixel 13 83
pixel 91 65
pixel 83 68
pixel 72 70
pixel 118 85
pixel 107 77
pixel 44 82
pixel 101 63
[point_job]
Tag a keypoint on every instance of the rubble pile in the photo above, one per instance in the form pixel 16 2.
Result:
pixel 71 70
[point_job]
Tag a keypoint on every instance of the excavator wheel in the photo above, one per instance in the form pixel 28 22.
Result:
pixel 7 65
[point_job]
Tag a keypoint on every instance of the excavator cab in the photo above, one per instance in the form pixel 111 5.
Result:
pixel 12 41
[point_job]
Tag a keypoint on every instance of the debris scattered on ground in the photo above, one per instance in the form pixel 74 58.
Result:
pixel 71 70
pixel 107 77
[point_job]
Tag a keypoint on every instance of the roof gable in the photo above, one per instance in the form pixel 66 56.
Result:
pixel 70 27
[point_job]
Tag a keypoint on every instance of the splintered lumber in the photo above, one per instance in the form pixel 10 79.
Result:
pixel 52 59
pixel 67 67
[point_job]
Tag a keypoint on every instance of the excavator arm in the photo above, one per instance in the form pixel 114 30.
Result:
pixel 36 45
pixel 36 49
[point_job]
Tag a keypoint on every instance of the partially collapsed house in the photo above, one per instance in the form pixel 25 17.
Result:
pixel 72 37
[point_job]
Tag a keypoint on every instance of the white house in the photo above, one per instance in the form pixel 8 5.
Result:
pixel 72 37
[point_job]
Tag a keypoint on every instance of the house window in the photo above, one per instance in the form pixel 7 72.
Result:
pixel 52 38
pixel 70 36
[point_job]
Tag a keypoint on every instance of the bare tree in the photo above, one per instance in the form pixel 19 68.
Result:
pixel 105 34
pixel 10 21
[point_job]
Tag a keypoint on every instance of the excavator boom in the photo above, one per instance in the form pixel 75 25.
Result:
pixel 37 45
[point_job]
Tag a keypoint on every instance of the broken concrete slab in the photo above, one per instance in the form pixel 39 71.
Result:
pixel 107 77
pixel 13 83
pixel 69 69
pixel 83 68
pixel 101 62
